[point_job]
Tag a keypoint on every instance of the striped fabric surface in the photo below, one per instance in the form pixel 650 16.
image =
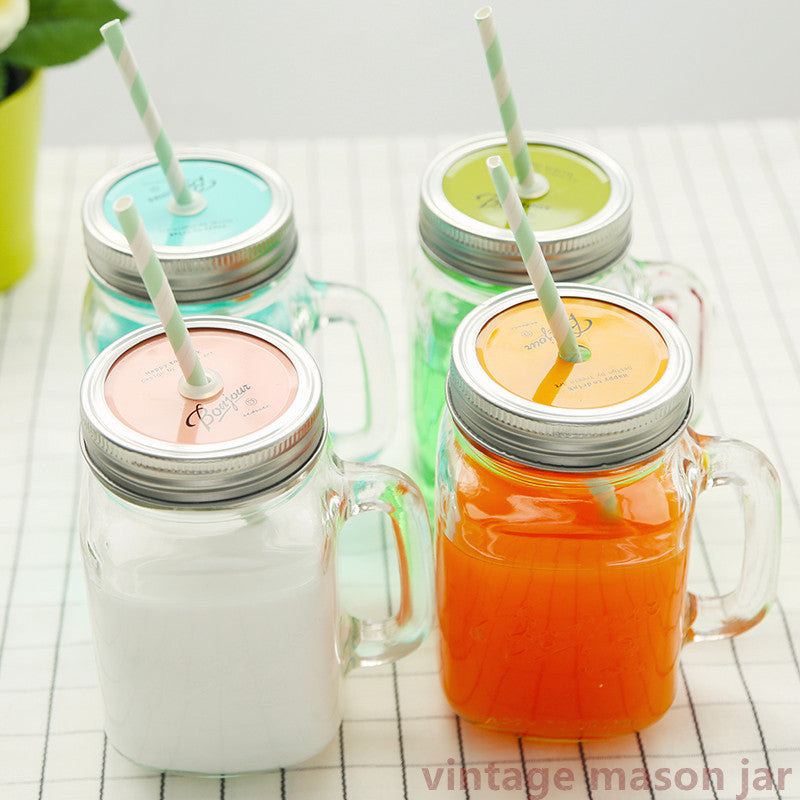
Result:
pixel 722 199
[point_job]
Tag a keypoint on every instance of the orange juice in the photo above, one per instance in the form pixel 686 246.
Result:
pixel 558 618
pixel 565 494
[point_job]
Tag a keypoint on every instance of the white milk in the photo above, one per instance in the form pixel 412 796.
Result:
pixel 222 666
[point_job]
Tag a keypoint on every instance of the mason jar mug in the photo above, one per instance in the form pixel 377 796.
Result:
pixel 209 533
pixel 565 500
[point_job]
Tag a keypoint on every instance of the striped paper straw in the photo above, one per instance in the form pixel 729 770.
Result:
pixel 186 201
pixel 534 260
pixel 603 492
pixel 196 384
pixel 530 185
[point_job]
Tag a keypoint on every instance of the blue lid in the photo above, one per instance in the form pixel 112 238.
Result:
pixel 241 239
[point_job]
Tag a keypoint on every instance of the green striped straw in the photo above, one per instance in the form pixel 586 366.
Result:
pixel 552 304
pixel 529 184
pixel 605 496
pixel 196 384
pixel 535 263
pixel 184 200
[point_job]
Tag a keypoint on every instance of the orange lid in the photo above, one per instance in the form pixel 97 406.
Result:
pixel 624 355
pixel 510 392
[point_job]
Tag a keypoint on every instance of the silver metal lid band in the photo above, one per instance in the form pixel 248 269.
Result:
pixel 559 438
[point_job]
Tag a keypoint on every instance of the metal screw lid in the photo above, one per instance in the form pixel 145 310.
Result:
pixel 200 272
pixel 487 252
pixel 549 437
pixel 153 472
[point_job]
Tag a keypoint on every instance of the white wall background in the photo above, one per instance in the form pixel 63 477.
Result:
pixel 299 68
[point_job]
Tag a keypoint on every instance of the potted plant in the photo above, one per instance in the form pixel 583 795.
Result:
pixel 34 34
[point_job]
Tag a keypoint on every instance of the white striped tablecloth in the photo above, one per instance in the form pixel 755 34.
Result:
pixel 723 199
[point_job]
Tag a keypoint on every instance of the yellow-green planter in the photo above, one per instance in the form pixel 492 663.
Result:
pixel 19 141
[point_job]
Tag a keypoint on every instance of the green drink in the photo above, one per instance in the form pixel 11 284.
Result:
pixel 583 224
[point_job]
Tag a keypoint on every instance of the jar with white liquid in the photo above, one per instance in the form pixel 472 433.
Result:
pixel 209 532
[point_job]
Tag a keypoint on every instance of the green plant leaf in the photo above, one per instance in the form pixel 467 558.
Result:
pixel 100 11
pixel 3 80
pixel 60 31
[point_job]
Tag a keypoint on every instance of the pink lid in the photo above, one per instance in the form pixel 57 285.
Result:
pixel 259 384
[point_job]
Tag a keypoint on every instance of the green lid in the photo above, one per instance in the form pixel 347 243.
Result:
pixel 583 222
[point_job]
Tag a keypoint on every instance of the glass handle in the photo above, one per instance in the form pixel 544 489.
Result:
pixel 349 305
pixel 371 487
pixel 677 292
pixel 733 463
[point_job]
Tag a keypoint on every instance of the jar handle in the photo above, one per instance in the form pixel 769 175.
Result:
pixel 370 487
pixel 680 294
pixel 729 462
pixel 348 305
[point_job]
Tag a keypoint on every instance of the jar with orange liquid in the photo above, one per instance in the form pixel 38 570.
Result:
pixel 565 496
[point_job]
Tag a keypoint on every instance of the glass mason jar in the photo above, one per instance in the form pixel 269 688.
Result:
pixel 468 254
pixel 209 533
pixel 237 257
pixel 565 497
